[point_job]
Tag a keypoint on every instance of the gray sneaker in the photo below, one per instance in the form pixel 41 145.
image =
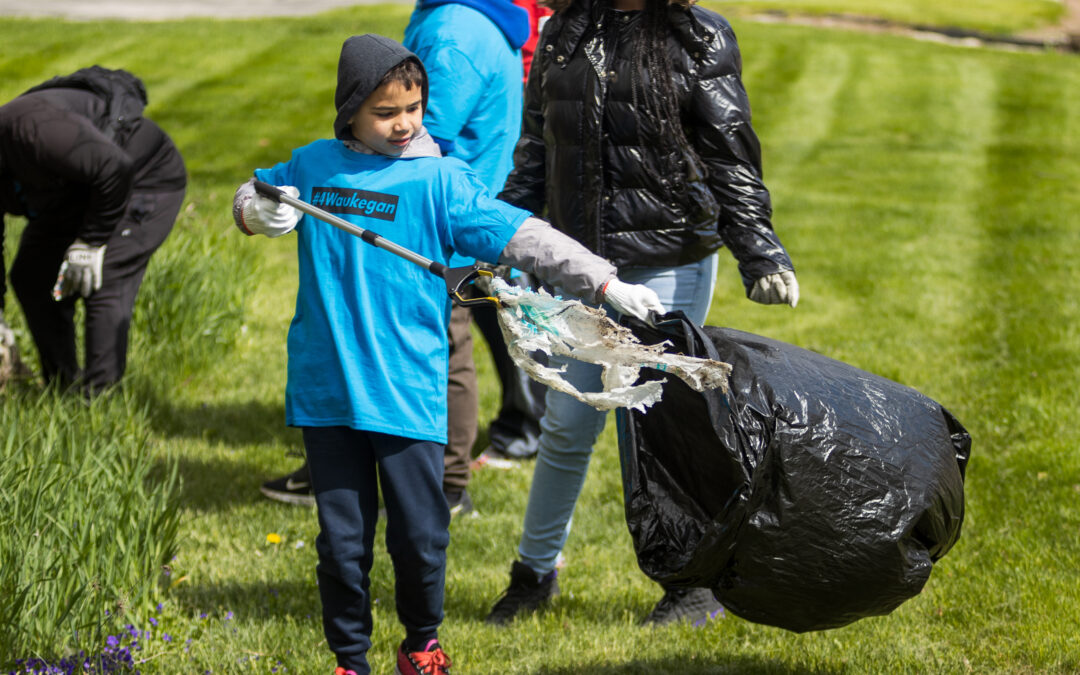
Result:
pixel 696 605
pixel 526 593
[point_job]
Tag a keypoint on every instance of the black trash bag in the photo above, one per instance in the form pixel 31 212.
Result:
pixel 811 495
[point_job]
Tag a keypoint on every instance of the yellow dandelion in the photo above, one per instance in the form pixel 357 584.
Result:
pixel 273 538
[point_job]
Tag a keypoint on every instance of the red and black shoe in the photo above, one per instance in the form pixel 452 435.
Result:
pixel 432 661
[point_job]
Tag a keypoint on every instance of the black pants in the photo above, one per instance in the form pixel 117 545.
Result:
pixel 347 469
pixel 146 223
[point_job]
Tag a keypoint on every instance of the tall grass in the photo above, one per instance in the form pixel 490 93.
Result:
pixel 89 517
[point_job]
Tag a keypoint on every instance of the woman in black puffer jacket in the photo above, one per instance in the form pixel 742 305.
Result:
pixel 636 141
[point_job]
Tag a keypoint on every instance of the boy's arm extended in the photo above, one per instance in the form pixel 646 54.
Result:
pixel 540 249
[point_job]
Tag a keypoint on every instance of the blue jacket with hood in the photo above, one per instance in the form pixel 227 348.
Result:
pixel 471 50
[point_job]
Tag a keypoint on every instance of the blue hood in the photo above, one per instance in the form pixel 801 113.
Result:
pixel 512 20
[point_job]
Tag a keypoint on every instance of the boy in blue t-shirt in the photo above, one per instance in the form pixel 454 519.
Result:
pixel 367 346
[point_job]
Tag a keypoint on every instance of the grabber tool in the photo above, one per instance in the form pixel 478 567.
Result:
pixel 456 278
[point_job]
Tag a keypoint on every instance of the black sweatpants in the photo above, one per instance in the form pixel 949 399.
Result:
pixel 146 223
pixel 348 467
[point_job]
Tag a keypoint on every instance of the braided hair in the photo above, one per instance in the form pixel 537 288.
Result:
pixel 660 101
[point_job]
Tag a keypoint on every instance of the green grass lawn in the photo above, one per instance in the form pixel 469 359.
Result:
pixel 928 196
pixel 995 16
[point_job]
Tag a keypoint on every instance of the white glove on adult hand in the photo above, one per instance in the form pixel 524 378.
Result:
pixel 776 289
pixel 262 215
pixel 81 270
pixel 633 299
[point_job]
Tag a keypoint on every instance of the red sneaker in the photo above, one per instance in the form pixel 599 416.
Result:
pixel 341 671
pixel 432 661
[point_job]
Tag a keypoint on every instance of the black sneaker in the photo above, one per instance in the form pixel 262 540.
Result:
pixel 292 489
pixel 526 593
pixel 697 605
pixel 459 502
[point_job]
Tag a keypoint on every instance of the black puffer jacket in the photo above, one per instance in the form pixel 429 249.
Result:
pixel 588 156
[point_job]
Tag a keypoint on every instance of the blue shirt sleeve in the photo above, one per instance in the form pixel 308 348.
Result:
pixel 279 174
pixel 480 226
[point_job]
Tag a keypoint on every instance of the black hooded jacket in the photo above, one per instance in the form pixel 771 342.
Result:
pixel 591 156
pixel 70 177
pixel 61 171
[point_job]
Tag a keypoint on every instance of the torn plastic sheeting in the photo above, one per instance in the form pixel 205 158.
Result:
pixel 535 321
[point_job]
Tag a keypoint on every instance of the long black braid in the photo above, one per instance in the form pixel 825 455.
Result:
pixel 660 100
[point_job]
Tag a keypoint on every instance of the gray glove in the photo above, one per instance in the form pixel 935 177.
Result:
pixel 81 270
pixel 634 299
pixel 776 289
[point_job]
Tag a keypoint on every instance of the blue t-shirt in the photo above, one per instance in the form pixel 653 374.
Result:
pixel 367 346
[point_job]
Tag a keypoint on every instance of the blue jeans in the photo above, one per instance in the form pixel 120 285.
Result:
pixel 569 428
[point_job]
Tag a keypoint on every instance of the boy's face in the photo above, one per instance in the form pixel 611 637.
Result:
pixel 389 118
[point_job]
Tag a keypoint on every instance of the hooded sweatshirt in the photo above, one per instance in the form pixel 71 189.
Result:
pixel 471 50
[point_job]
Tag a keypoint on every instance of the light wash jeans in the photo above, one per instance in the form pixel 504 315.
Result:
pixel 569 428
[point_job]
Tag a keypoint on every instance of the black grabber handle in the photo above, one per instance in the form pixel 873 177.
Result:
pixel 456 278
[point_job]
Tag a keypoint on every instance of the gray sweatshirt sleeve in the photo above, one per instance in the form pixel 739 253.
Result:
pixel 540 249
pixel 243 193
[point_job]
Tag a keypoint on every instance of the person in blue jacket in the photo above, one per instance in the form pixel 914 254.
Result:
pixel 367 345
pixel 472 52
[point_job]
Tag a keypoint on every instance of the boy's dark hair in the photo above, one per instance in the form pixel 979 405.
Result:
pixel 409 73
pixel 365 63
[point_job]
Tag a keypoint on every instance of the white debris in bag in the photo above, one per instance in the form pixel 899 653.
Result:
pixel 535 321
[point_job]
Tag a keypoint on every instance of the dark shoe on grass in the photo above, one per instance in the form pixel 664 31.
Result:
pixel 526 593
pixel 292 489
pixel 696 605
pixel 459 502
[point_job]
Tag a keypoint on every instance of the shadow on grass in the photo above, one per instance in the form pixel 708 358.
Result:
pixel 253 600
pixel 211 485
pixel 721 663
pixel 234 424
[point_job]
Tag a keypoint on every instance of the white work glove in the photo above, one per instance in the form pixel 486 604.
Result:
pixel 80 273
pixel 776 289
pixel 262 215
pixel 634 299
